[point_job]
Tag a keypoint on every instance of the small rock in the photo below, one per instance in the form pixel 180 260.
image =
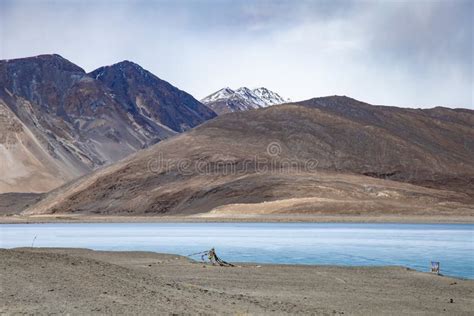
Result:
pixel 451 300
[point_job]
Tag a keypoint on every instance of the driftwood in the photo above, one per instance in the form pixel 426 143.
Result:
pixel 212 257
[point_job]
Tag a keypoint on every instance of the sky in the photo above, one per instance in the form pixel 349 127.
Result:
pixel 403 53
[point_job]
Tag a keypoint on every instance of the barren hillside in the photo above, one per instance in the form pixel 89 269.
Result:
pixel 343 157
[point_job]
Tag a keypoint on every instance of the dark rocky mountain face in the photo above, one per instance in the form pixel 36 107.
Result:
pixel 139 91
pixel 70 123
pixel 43 80
pixel 329 155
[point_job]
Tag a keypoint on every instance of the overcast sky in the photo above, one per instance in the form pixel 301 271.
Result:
pixel 405 53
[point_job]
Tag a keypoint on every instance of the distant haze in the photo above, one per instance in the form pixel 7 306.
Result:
pixel 405 53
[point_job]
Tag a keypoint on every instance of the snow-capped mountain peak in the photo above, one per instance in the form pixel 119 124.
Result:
pixel 223 93
pixel 269 97
pixel 250 96
pixel 228 100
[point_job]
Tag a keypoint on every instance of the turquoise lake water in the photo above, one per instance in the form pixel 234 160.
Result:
pixel 409 245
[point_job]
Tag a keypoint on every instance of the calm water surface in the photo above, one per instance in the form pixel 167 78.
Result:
pixel 410 245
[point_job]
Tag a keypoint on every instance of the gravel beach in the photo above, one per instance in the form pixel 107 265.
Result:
pixel 81 281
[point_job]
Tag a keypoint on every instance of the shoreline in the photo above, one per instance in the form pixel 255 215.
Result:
pixel 204 218
pixel 238 264
pixel 82 281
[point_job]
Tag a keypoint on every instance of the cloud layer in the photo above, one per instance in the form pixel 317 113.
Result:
pixel 405 53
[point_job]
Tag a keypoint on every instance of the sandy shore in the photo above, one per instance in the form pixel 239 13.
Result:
pixel 79 281
pixel 204 218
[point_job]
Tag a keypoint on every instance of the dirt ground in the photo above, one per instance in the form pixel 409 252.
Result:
pixel 80 281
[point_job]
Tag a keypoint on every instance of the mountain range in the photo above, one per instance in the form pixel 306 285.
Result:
pixel 58 122
pixel 121 141
pixel 227 100
pixel 326 156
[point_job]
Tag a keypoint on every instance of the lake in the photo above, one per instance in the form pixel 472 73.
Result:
pixel 410 245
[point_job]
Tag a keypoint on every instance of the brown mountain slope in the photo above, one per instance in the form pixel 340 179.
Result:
pixel 72 123
pixel 432 147
pixel 301 158
pixel 26 165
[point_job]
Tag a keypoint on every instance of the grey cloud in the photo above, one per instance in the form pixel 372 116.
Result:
pixel 407 53
pixel 424 33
